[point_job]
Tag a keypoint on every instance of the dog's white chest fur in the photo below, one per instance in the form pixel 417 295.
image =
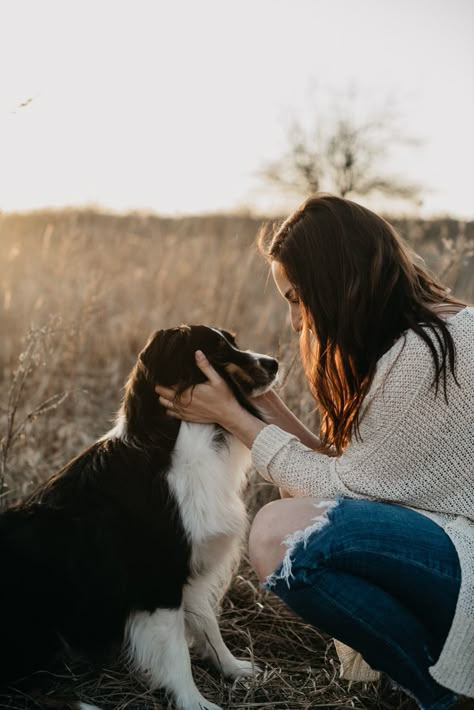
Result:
pixel 207 481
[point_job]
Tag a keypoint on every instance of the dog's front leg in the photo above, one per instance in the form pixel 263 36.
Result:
pixel 202 626
pixel 157 648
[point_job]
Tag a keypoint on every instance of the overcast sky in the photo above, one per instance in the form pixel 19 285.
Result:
pixel 174 106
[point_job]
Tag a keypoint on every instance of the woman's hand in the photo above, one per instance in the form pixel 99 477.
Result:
pixel 208 403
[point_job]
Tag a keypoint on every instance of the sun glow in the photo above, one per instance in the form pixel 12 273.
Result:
pixel 174 106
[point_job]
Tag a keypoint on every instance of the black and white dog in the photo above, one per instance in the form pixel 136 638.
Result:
pixel 134 541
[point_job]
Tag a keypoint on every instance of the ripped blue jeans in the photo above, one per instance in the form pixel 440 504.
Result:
pixel 382 579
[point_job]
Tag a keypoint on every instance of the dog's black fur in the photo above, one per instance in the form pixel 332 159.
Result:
pixel 76 555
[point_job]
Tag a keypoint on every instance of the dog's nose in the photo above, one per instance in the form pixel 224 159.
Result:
pixel 269 364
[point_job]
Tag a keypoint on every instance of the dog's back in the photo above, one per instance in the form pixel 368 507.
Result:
pixel 132 542
pixel 83 552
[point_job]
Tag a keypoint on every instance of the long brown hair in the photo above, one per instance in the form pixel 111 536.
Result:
pixel 361 288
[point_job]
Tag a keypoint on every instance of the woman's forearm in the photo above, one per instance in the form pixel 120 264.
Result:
pixel 212 401
pixel 276 412
pixel 246 426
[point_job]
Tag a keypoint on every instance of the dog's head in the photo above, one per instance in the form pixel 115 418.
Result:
pixel 169 360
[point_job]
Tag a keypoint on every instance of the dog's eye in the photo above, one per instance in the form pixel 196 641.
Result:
pixel 222 349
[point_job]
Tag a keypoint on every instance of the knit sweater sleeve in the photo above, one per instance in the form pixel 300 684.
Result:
pixel 411 440
pixel 282 459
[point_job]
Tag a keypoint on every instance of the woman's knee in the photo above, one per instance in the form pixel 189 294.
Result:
pixel 263 538
pixel 273 523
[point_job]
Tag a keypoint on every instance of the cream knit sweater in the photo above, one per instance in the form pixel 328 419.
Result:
pixel 416 451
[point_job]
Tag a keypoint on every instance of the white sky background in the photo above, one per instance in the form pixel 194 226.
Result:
pixel 173 106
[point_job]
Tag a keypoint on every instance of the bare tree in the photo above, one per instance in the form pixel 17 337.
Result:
pixel 342 155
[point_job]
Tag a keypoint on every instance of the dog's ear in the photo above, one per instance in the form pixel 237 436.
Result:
pixel 168 358
pixel 151 351
pixel 229 335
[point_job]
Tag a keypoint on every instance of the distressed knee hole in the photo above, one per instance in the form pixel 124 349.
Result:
pixel 295 539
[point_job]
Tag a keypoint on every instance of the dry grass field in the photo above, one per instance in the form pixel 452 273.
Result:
pixel 80 291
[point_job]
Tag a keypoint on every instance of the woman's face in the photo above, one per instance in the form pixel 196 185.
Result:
pixel 287 290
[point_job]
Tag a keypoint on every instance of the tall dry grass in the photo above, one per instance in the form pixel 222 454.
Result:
pixel 80 292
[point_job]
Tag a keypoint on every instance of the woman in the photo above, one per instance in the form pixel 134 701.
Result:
pixel 374 544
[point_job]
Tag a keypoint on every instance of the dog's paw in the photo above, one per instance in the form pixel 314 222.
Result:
pixel 207 705
pixel 242 669
pixel 198 704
